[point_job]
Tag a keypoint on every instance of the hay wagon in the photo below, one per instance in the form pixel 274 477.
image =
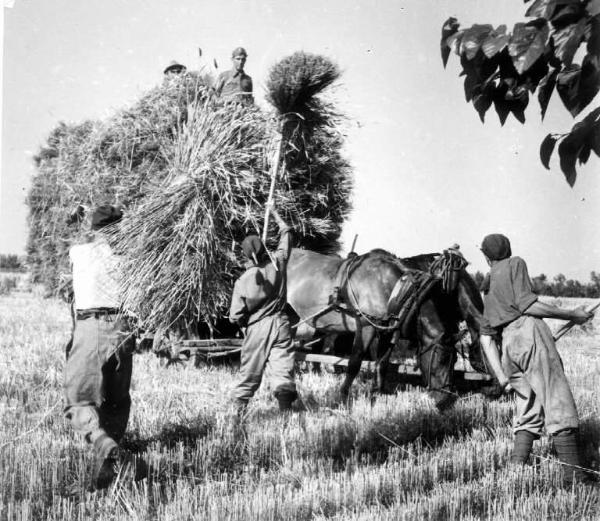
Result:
pixel 403 364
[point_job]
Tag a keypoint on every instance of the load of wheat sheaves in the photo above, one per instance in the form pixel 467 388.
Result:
pixel 192 173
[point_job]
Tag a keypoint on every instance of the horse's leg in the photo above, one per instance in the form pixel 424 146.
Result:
pixel 381 344
pixel 437 355
pixel 356 358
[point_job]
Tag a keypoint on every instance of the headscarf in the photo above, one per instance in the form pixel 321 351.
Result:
pixel 496 247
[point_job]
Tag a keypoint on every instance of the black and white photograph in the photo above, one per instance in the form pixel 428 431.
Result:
pixel 320 260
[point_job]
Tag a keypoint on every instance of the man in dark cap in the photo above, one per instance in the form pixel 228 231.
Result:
pixel 174 68
pixel 99 362
pixel 258 303
pixel 235 85
pixel 529 362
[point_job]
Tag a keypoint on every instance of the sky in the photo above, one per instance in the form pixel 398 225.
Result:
pixel 427 172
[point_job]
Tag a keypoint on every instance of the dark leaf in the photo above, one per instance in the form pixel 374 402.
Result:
pixel 471 83
pixel 584 153
pixel 473 38
pixel 567 85
pixel 495 41
pixel 518 106
pixel 594 139
pixel 500 104
pixel 532 77
pixel 567 41
pixel 449 28
pixel 541 9
pixel 568 155
pixel 589 82
pixel 593 36
pixel 482 102
pixel 567 14
pixel 546 149
pixel 576 143
pixel 526 45
pixel 545 90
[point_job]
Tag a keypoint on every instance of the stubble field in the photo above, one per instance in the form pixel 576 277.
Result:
pixel 394 457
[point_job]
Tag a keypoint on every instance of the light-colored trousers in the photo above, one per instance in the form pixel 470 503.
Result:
pixel 535 370
pixel 98 377
pixel 268 350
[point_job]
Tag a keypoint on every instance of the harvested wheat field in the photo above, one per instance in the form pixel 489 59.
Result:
pixel 394 457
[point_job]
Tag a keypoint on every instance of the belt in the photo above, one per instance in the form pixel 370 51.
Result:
pixel 82 314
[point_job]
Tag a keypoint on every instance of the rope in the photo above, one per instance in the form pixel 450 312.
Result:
pixel 445 265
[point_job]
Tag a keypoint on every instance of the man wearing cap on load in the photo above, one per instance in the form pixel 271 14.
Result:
pixel 99 363
pixel 258 304
pixel 529 362
pixel 235 84
pixel 174 68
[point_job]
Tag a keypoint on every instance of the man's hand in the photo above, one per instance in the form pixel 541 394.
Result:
pixel 580 315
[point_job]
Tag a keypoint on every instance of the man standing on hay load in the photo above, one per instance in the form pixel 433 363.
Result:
pixel 258 303
pixel 235 85
pixel 530 363
pixel 99 363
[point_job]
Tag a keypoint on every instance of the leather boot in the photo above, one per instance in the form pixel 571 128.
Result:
pixel 285 399
pixel 566 445
pixel 106 461
pixel 522 447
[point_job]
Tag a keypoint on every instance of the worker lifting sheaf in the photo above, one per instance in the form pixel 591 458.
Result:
pixel 258 304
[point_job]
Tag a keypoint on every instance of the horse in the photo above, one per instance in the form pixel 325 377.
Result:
pixel 361 295
pixel 461 293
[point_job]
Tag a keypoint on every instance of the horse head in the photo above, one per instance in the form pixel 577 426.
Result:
pixel 462 296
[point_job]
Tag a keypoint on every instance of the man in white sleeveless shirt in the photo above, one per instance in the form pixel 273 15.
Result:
pixel 99 363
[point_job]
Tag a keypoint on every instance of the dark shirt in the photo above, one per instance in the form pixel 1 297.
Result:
pixel 509 295
pixel 235 85
pixel 262 290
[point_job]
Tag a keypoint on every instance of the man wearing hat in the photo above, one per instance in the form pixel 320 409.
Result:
pixel 258 303
pixel 235 84
pixel 174 68
pixel 99 363
pixel 529 363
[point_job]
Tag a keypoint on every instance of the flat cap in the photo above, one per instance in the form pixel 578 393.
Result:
pixel 239 51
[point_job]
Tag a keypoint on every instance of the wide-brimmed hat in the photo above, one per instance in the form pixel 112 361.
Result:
pixel 175 67
pixel 105 215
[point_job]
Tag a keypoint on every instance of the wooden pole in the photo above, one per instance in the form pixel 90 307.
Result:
pixel 274 172
pixel 354 242
pixel 567 327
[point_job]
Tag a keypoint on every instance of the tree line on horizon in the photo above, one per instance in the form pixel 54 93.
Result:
pixel 559 286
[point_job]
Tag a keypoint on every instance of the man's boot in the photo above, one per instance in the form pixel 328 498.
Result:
pixel 106 453
pixel 567 449
pixel 522 447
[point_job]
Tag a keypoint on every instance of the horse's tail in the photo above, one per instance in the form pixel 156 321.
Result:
pixel 409 292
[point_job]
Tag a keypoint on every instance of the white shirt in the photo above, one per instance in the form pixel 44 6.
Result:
pixel 95 275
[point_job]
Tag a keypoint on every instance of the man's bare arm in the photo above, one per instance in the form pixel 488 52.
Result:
pixel 492 353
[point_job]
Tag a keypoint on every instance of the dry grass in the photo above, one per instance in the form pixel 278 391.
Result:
pixel 394 458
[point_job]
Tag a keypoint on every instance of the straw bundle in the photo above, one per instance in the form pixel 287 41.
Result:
pixel 193 197
pixel 96 162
